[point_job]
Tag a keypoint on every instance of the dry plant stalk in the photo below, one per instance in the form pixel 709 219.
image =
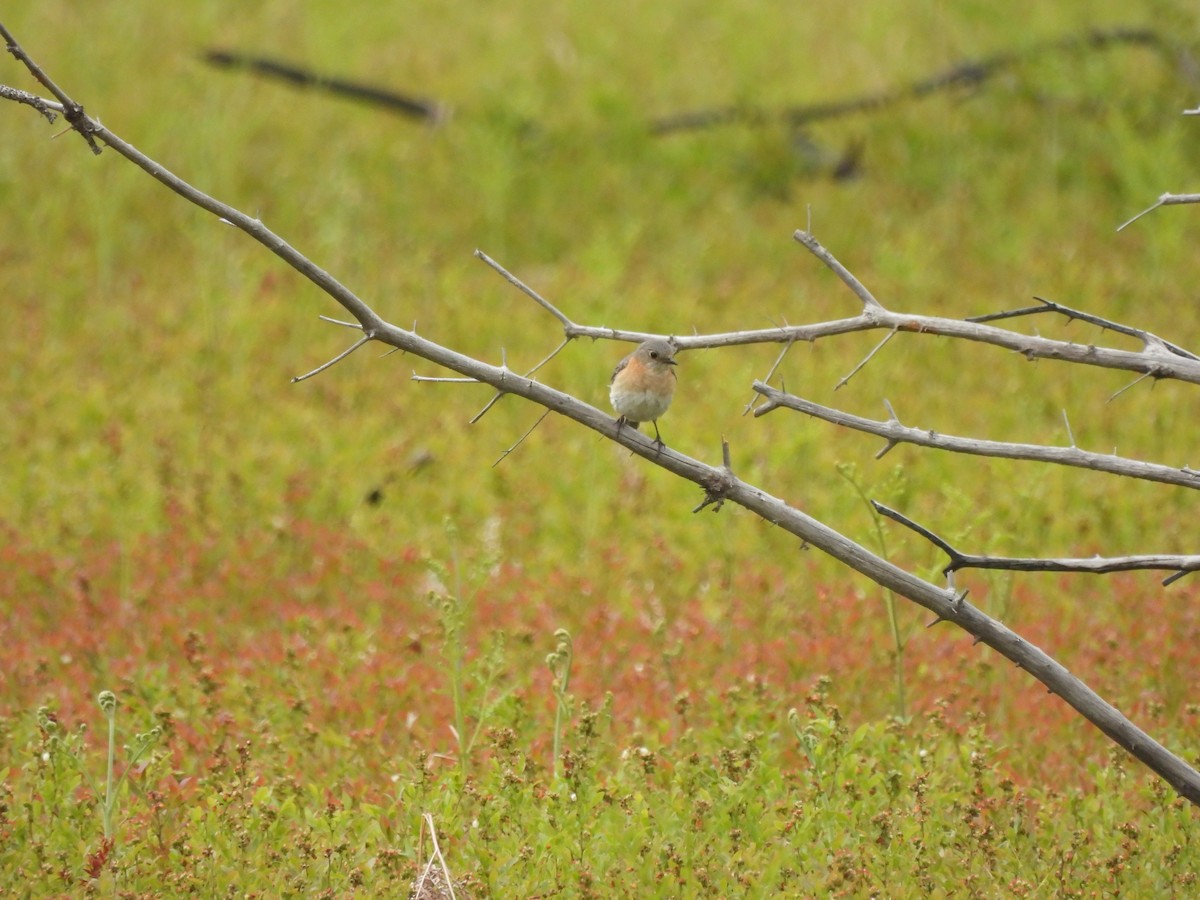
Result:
pixel 435 881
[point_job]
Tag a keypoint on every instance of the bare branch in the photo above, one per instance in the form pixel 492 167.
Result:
pixel 1157 359
pixel 537 298
pixel 1147 338
pixel 896 433
pixel 341 322
pixel 1070 433
pixel 1096 565
pixel 47 108
pixel 810 243
pixel 1163 200
pixel 845 379
pixel 333 362
pixel 443 379
pixel 770 374
pixel 719 484
pixel 520 440
pixel 1131 384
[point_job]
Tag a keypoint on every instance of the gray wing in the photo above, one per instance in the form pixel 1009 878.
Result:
pixel 617 371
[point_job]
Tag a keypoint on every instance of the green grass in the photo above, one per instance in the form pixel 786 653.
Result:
pixel 263 571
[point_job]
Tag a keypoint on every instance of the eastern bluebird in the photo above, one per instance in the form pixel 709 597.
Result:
pixel 642 385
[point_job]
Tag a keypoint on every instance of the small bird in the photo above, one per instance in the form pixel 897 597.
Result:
pixel 642 385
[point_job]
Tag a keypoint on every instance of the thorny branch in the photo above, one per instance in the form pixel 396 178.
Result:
pixel 894 432
pixel 720 483
pixel 1156 359
pixel 1096 565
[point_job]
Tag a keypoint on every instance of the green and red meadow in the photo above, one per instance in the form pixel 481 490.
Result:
pixel 324 613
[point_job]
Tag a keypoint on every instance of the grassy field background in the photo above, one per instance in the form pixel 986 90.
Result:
pixel 338 613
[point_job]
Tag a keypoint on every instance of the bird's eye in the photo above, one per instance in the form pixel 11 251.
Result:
pixel 654 354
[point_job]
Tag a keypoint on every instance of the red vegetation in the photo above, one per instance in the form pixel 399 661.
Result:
pixel 307 631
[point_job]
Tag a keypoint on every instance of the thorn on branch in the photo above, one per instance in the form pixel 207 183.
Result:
pixel 71 110
pixel 810 243
pixel 717 488
pixel 569 327
pixel 333 362
pixel 521 439
pixel 770 374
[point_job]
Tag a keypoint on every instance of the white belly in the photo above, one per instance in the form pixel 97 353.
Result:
pixel 639 406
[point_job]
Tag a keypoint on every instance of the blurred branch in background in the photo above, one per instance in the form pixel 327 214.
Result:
pixel 968 73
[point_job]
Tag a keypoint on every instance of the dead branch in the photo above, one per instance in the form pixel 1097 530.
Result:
pixel 719 484
pixel 896 433
pixel 1167 199
pixel 1096 565
pixel 1044 306
pixel 1156 359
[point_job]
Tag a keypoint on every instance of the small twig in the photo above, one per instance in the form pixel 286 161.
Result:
pixel 537 298
pixel 893 419
pixel 1131 384
pixel 924 532
pixel 47 108
pixel 1164 200
pixel 496 397
pixel 443 379
pixel 553 353
pixel 814 247
pixel 845 379
pixel 500 459
pixel 344 324
pixel 770 374
pixel 333 362
pixel 1070 433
